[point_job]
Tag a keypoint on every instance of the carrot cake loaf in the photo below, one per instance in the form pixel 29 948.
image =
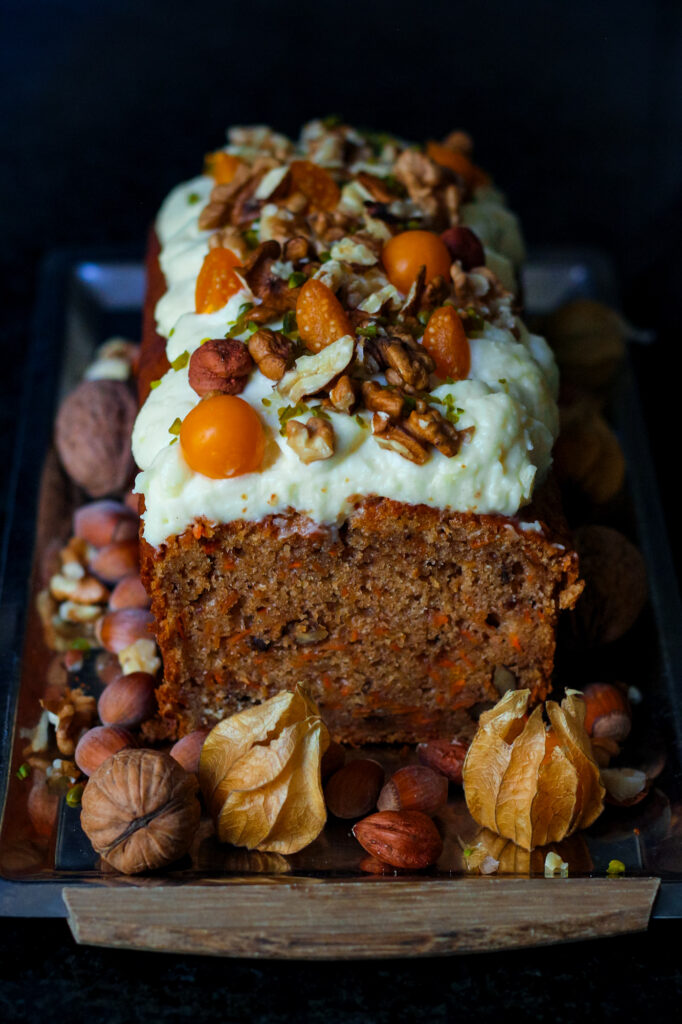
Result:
pixel 345 439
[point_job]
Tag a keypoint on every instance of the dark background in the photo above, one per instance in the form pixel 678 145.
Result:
pixel 577 109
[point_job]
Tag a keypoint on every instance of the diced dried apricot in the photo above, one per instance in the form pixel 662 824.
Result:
pixel 320 317
pixel 217 281
pixel 457 162
pixel 221 166
pixel 316 184
pixel 446 342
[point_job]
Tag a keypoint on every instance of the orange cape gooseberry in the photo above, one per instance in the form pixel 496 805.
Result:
pixel 320 317
pixel 222 166
pixel 446 342
pixel 457 162
pixel 404 254
pixel 217 281
pixel 222 436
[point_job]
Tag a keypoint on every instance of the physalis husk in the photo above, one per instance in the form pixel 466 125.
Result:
pixel 260 774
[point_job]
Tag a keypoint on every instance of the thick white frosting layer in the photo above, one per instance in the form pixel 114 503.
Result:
pixel 509 399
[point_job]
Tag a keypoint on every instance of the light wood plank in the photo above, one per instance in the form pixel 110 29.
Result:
pixel 357 919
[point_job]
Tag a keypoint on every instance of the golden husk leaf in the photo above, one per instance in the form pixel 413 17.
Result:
pixel 515 789
pixel 260 774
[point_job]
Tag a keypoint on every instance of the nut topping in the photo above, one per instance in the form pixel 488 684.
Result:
pixel 312 441
pixel 430 426
pixel 221 365
pixel 396 439
pixel 272 352
pixel 313 373
pixel 343 395
pixel 380 399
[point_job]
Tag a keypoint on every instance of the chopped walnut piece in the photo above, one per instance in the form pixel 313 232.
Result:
pixel 408 363
pixel 297 249
pixel 376 187
pixel 343 395
pixel 84 590
pixel 312 441
pixel 380 399
pixel 433 188
pixel 429 425
pixel 217 211
pixel 436 292
pixel 75 711
pixel 272 352
pixel 412 303
pixel 313 373
pixel 387 435
pixel 229 238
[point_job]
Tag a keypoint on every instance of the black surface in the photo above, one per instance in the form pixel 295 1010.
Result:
pixel 578 109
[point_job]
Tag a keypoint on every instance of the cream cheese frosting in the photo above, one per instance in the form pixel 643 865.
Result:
pixel 507 404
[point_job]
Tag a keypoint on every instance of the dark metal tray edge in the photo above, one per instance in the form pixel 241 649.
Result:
pixel 44 899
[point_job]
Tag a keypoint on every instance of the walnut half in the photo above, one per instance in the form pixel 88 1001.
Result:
pixel 312 441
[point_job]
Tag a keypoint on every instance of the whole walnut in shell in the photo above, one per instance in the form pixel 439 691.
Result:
pixel 140 810
pixel 92 434
pixel 615 585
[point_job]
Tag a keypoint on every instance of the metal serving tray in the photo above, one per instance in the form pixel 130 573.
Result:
pixel 87 296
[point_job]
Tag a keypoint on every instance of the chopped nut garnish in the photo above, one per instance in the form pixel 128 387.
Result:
pixel 75 711
pixel 272 352
pixel 380 399
pixel 429 425
pixel 314 372
pixel 312 441
pixel 396 439
pixel 343 395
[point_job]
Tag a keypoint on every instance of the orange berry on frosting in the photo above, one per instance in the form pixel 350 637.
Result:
pixel 404 254
pixel 217 281
pixel 222 437
pixel 446 342
pixel 320 317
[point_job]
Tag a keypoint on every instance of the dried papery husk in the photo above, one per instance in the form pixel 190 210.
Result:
pixel 521 787
pixel 519 783
pixel 261 778
pixel 568 721
pixel 489 755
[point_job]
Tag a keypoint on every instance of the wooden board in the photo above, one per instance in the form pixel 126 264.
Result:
pixel 331 920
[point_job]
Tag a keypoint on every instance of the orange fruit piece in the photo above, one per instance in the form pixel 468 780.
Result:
pixel 221 166
pixel 458 162
pixel 316 184
pixel 320 317
pixel 446 342
pixel 404 254
pixel 217 281
pixel 222 436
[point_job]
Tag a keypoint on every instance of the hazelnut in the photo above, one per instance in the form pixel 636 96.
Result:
pixel 97 744
pixel 465 247
pixel 333 759
pixel 187 750
pixel 444 756
pixel 117 630
pixel 105 521
pixel 615 586
pixel 116 560
pixel 107 667
pixel 607 712
pixel 92 434
pixel 221 365
pixel 403 839
pixel 414 788
pixel 128 701
pixel 129 593
pixel 353 790
pixel 140 810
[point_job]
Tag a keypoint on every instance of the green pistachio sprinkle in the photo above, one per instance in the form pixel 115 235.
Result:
pixel 154 384
pixel 361 422
pixel 289 412
pixel 23 771
pixel 251 238
pixel 289 322
pixel 266 402
pixel 296 279
pixel 368 330
pixel 181 362
pixel 75 794
pixel 616 867
pixel 175 426
pixel 193 198
pixel 325 257
pixel 171 332
pixel 80 644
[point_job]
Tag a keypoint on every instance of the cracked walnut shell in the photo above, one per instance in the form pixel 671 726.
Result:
pixel 529 784
pixel 140 810
pixel 260 775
